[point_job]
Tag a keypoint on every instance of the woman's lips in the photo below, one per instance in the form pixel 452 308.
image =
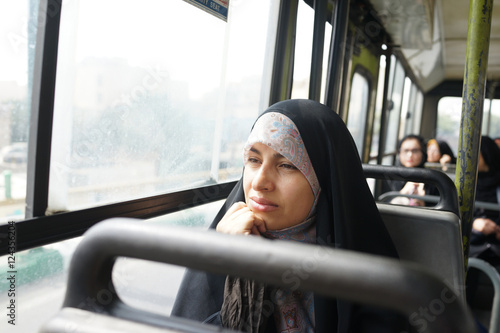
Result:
pixel 262 205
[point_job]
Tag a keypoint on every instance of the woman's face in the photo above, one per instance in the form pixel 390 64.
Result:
pixel 275 190
pixel 410 154
pixel 433 153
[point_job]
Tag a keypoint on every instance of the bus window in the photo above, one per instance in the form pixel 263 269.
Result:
pixel 303 51
pixel 494 130
pixel 415 110
pixel 141 283
pixel 139 111
pixel 326 52
pixel 395 98
pixel 411 113
pixel 405 105
pixel 358 109
pixel 375 141
pixel 448 120
pixel 491 118
pixel 18 27
pixel 42 275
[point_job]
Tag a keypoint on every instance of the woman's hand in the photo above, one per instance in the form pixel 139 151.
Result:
pixel 239 219
pixel 445 159
pixel 486 226
pixel 413 188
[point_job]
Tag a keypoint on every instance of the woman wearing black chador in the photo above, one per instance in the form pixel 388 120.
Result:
pixel 302 182
pixel 485 236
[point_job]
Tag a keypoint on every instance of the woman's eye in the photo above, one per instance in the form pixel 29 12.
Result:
pixel 288 166
pixel 252 160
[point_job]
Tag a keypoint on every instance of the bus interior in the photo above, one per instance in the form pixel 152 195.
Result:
pixel 138 113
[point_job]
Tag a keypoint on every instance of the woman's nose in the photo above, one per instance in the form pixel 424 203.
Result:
pixel 263 179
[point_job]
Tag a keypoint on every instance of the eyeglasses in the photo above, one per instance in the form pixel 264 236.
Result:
pixel 412 151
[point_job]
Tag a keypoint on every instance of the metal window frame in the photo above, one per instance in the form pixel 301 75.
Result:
pixel 42 107
pixel 45 230
pixel 38 229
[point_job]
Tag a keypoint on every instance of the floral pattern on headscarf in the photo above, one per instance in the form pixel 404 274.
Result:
pixel 278 132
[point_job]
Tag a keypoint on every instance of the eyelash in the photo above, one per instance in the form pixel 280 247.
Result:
pixel 287 166
pixel 252 160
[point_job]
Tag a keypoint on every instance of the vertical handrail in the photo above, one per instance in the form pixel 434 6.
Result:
pixel 320 9
pixel 337 52
pixel 476 64
pixel 281 82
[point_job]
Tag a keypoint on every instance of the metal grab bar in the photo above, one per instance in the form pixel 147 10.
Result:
pixel 447 190
pixel 388 196
pixel 494 277
pixel 363 278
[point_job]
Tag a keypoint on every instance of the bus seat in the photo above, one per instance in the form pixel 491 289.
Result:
pixel 402 286
pixel 448 198
pixel 430 236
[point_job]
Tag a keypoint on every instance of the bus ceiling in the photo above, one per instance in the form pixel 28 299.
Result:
pixel 431 35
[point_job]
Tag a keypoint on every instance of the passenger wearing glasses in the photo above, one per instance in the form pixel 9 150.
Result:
pixel 412 153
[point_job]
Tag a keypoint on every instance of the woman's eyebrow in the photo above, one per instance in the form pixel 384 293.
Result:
pixel 275 155
pixel 252 149
pixel 279 156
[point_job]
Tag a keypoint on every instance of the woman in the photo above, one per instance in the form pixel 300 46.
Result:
pixel 440 152
pixel 302 181
pixel 485 236
pixel 412 153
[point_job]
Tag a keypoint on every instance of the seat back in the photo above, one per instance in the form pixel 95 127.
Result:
pixel 429 237
pixel 353 276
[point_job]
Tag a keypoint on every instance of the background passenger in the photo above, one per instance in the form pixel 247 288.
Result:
pixel 497 141
pixel 485 236
pixel 439 151
pixel 302 182
pixel 412 153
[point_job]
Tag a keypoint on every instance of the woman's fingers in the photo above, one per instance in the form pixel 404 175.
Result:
pixel 239 219
pixel 486 226
pixel 260 224
pixel 445 159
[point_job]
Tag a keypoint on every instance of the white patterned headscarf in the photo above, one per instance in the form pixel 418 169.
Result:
pixel 278 132
pixel 294 309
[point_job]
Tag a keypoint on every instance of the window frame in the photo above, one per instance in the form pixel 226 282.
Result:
pixel 366 75
pixel 38 228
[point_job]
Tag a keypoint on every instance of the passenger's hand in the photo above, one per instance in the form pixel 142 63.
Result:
pixel 413 188
pixel 239 219
pixel 486 226
pixel 445 159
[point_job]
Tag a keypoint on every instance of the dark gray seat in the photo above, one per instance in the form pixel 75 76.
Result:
pixel 401 286
pixel 429 237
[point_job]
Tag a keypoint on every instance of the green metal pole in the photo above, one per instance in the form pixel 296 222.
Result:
pixel 476 64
